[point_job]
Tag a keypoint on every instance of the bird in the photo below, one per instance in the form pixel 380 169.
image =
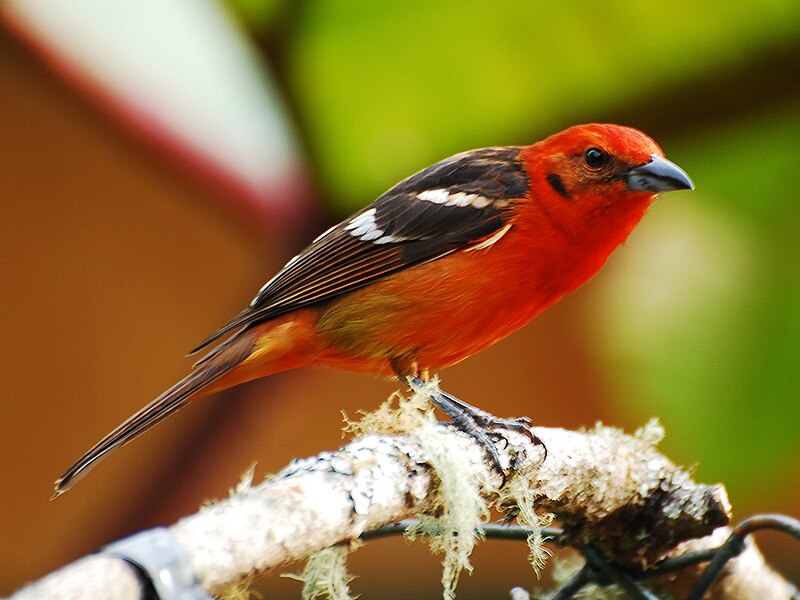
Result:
pixel 441 266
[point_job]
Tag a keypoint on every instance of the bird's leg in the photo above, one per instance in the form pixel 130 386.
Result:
pixel 485 419
pixel 473 421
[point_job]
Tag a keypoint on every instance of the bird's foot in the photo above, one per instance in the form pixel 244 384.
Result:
pixel 476 423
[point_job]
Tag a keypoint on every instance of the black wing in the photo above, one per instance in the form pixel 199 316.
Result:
pixel 447 206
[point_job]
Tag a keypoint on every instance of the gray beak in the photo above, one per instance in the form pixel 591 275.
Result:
pixel 659 175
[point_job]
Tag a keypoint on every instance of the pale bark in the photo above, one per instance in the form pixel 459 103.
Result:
pixel 613 490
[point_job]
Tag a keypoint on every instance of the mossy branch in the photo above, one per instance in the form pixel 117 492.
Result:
pixel 612 490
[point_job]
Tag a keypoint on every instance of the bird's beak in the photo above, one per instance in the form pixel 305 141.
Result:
pixel 658 175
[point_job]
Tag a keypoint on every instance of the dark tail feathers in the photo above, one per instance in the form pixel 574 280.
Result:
pixel 220 361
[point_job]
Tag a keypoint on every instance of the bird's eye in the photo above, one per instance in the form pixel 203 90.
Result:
pixel 595 158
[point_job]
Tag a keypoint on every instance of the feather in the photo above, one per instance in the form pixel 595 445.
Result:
pixel 448 206
pixel 207 371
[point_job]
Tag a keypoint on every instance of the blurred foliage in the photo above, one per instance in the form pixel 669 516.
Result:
pixel 256 15
pixel 387 88
pixel 714 345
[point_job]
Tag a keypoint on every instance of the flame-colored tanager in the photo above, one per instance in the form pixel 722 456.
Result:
pixel 441 266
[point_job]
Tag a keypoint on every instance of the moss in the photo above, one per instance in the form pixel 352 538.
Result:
pixel 518 494
pixel 241 591
pixel 326 575
pixel 451 525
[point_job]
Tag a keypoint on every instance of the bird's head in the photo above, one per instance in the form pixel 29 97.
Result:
pixel 599 175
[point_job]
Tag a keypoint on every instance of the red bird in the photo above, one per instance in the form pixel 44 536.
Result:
pixel 441 266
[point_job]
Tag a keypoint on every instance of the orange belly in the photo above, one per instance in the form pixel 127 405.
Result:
pixel 437 314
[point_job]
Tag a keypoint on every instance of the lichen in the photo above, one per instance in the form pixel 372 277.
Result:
pixel 451 524
pixel 651 433
pixel 245 481
pixel 451 527
pixel 326 575
pixel 517 493
pixel 241 591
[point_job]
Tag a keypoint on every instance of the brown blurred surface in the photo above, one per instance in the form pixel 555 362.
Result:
pixel 114 266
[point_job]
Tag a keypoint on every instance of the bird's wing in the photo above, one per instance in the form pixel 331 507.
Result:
pixel 450 205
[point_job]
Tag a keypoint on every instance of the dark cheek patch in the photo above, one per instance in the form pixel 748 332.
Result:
pixel 558 185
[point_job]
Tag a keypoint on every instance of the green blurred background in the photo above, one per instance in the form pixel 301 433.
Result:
pixel 119 256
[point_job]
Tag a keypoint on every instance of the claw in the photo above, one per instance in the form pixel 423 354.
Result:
pixel 477 423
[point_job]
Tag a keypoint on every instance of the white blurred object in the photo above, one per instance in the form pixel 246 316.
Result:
pixel 182 72
pixel 518 593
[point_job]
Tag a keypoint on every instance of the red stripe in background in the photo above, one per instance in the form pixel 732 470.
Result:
pixel 283 205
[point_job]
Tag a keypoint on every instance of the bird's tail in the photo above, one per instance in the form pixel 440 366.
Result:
pixel 207 371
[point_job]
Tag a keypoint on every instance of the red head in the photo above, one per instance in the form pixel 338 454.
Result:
pixel 598 180
pixel 589 187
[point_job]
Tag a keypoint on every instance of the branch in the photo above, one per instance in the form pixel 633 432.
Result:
pixel 745 576
pixel 609 489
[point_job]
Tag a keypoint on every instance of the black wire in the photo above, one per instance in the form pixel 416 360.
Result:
pixel 734 545
pixel 574 584
pixel 386 530
pixel 677 563
pixel 494 531
pixel 597 570
pixel 628 584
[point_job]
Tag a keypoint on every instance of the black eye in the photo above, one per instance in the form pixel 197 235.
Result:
pixel 595 158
